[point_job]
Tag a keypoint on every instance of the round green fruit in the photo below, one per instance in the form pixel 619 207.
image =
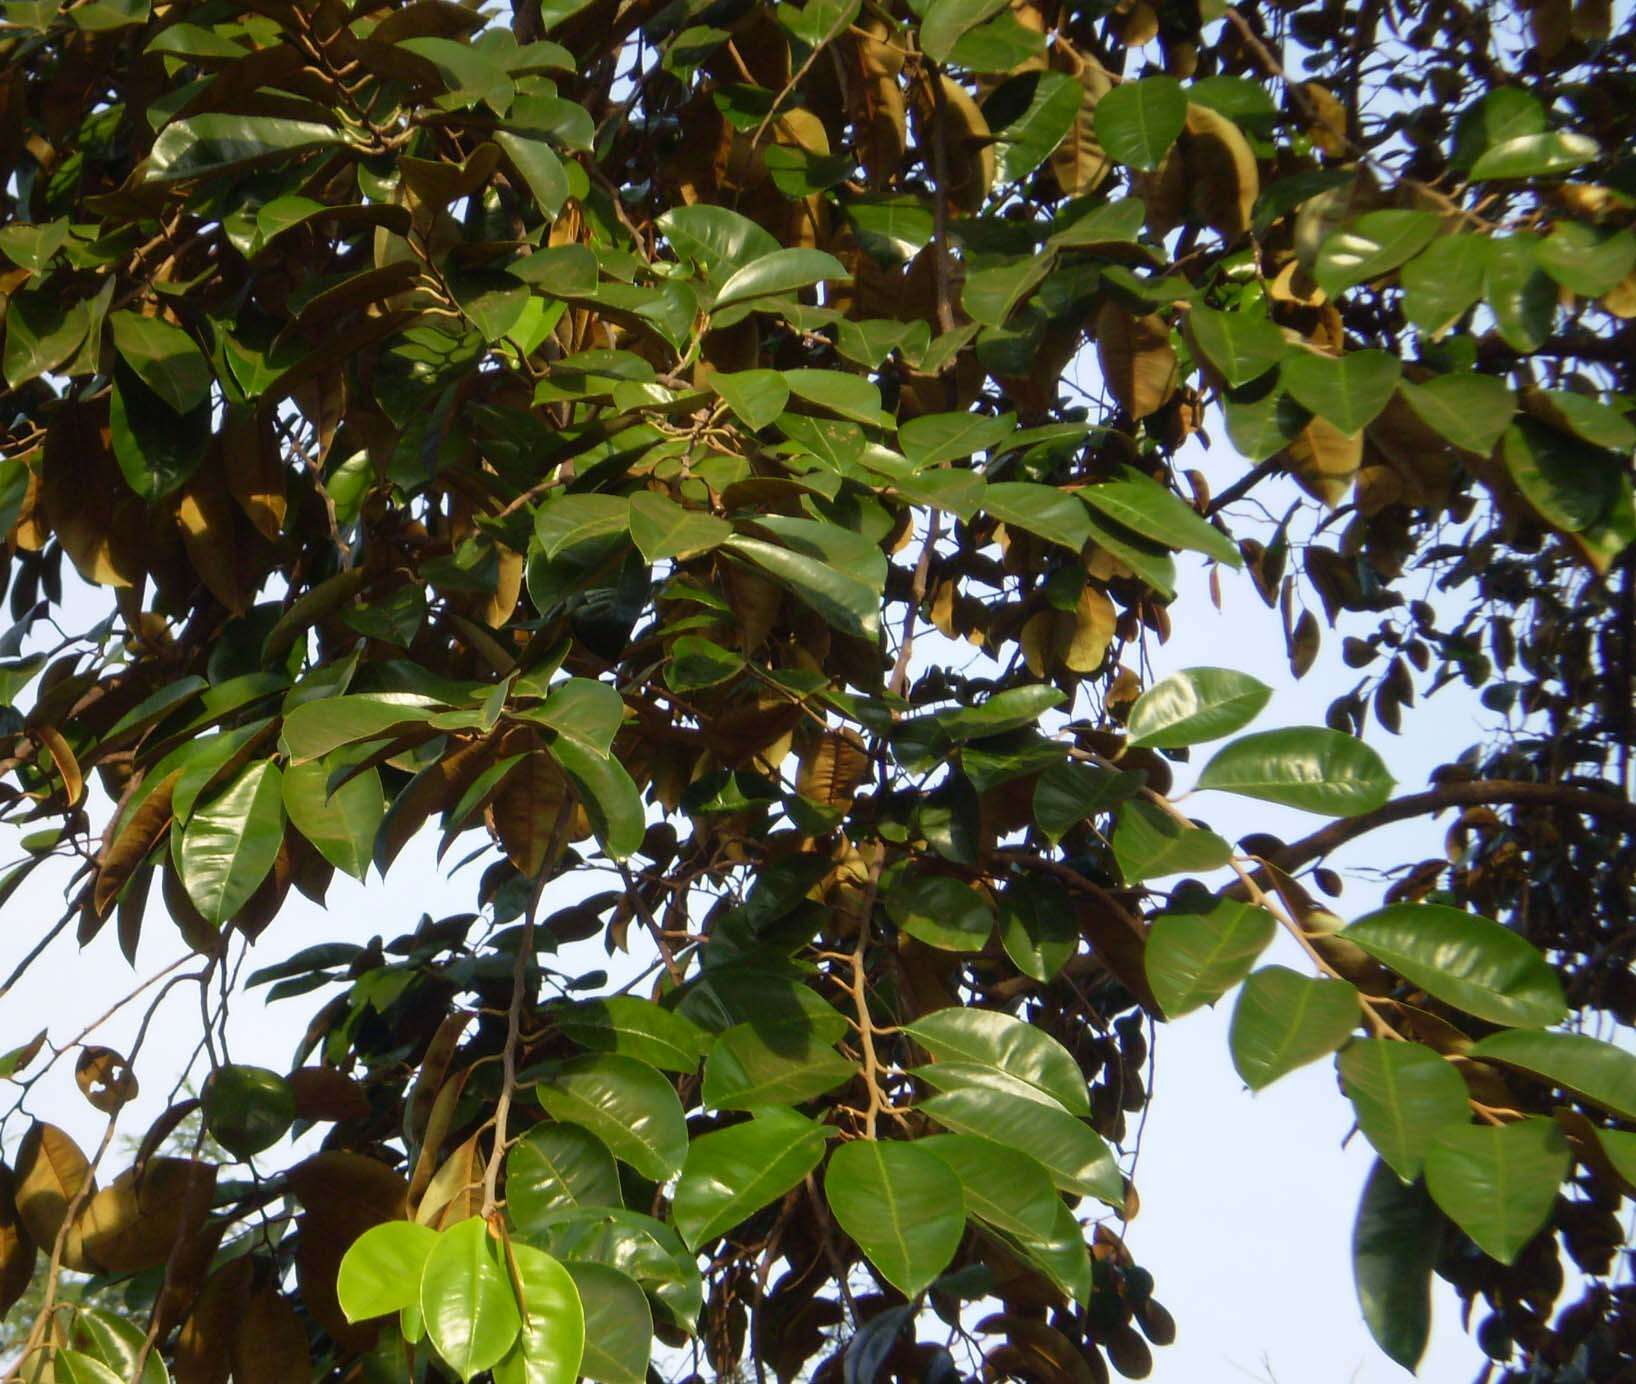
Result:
pixel 247 1109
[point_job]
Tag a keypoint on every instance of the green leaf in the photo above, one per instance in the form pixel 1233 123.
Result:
pixel 1037 927
pixel 1002 1185
pixel 618 1323
pixel 165 357
pixel 989 295
pixel 783 271
pixel 733 1173
pixel 626 1104
pixel 1603 1074
pixel 1029 115
pixel 1196 705
pixel 466 1299
pixel 1138 121
pixel 157 451
pixel 1262 420
pixel 1587 260
pixel 568 521
pixel 1375 244
pixel 1053 514
pixel 1542 155
pixel 493 300
pixel 1471 411
pixel 1498 1183
pixel 1402 1094
pixel 840 391
pixel 589 711
pixel 552 1340
pixel 1242 345
pixel 42 332
pixel 555 1168
pixel 342 824
pixel 661 528
pixel 941 911
pixel 1002 1043
pixel 1569 484
pixel 313 729
pixel 756 396
pixel 1602 425
pixel 771 1064
pixel 1308 767
pixel 116 1343
pixel 1152 564
pixel 540 168
pixel 1349 391
pixel 946 20
pixel 1502 114
pixel 608 794
pixel 844 602
pixel 637 1028
pixel 1283 1020
pixel 1193 959
pixel 76 1367
pixel 1144 506
pixel 697 663
pixel 902 1206
pixel 1465 960
pixel 1067 1148
pixel 207 144
pixel 1395 1245
pixel 1444 280
pixel 716 239
pixel 933 438
pixel 1519 292
pixel 1148 842
pixel 231 843
pixel 381 1272
pixel 1066 794
pixel 1110 223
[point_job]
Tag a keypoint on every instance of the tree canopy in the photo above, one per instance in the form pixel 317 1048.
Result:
pixel 717 471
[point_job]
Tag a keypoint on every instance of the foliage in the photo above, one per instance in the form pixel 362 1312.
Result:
pixel 554 431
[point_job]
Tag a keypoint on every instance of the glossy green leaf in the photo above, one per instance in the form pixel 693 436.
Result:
pixel 1499 1182
pixel 116 1343
pixel 1519 293
pixel 1262 420
pixel 637 1028
pixel 1395 1245
pixel 697 663
pixel 381 1271
pixel 661 528
pixel 1146 560
pixel 552 1339
pixel 941 911
pixel 990 294
pixel 731 1174
pixel 1242 345
pixel 1196 705
pixel 946 20
pixel 1375 244
pixel 1283 1020
pixel 1570 484
pixel 1030 114
pixel 1465 960
pixel 1037 927
pixel 1600 424
pixel 1067 794
pixel 1543 155
pixel 767 1064
pixel 158 451
pixel 466 1299
pixel 314 729
pixel 1193 959
pixel 165 357
pixel 1502 114
pixel 844 602
pixel 212 143
pixel 1308 767
pixel 756 396
pixel 1062 1256
pixel 618 1323
pixel 76 1367
pixel 1444 280
pixel 608 793
pixel 901 1205
pixel 1349 391
pixel 628 1106
pixel 1587 260
pixel 783 271
pixel 1053 514
pixel 231 843
pixel 1148 843
pixel 1602 1073
pixel 1138 121
pixel 342 824
pixel 933 438
pixel 1002 1185
pixel 1144 506
pixel 42 332
pixel 566 522
pixel 1471 411
pixel 555 1168
pixel 1402 1094
pixel 986 1038
pixel 717 239
pixel 1065 1146
pixel 540 167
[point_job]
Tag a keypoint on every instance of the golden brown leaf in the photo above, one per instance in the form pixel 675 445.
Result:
pixel 17 1249
pixel 1324 460
pixel 527 810
pixel 255 476
pixel 323 1094
pixel 133 1223
pixel 832 767
pixel 1137 360
pixel 204 1347
pixel 1222 181
pixel 50 1172
pixel 269 1342
pixel 105 1078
